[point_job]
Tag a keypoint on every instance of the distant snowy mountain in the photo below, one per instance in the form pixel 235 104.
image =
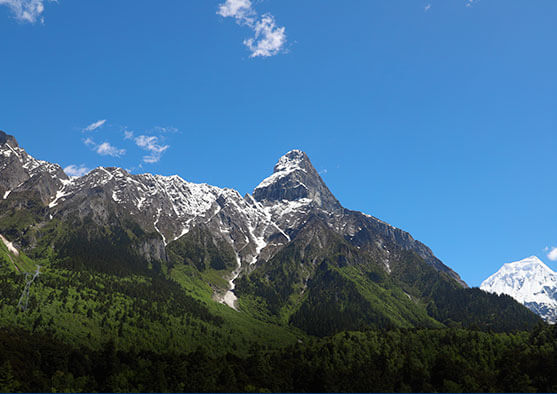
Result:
pixel 530 282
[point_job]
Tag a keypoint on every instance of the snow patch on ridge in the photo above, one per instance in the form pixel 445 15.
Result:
pixel 9 245
pixel 157 229
pixel 59 195
pixel 275 177
pixel 287 164
pixel 229 297
pixel 63 192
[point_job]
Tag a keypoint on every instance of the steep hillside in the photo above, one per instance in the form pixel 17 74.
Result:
pixel 159 262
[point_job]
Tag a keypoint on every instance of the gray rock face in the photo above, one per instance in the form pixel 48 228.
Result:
pixel 295 191
pixel 295 179
pixel 20 172
pixel 369 232
pixel 169 207
pixel 6 138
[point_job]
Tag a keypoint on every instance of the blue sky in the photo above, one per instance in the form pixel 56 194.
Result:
pixel 436 116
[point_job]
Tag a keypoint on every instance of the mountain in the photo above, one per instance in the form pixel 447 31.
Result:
pixel 285 261
pixel 20 172
pixel 530 282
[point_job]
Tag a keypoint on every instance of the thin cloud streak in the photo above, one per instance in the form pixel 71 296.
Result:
pixel 93 126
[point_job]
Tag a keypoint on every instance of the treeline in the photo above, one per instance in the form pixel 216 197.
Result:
pixel 447 360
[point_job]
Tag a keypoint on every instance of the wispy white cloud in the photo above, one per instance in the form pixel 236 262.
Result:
pixel 93 126
pixel 552 254
pixel 26 10
pixel 107 149
pixel 427 7
pixel 150 141
pixel 152 145
pixel 268 40
pixel 75 170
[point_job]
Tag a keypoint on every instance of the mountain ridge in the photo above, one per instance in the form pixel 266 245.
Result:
pixel 276 206
pixel 289 257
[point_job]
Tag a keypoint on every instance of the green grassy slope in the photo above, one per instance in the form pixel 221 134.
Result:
pixel 17 262
pixel 149 312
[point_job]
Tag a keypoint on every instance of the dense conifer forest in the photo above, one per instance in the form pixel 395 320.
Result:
pixel 158 330
pixel 430 360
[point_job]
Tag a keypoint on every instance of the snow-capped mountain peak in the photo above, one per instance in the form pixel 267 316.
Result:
pixel 291 161
pixel 294 179
pixel 530 282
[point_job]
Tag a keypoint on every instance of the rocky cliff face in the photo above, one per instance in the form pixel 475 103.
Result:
pixel 295 191
pixel 294 179
pixel 257 227
pixel 290 250
pixel 20 172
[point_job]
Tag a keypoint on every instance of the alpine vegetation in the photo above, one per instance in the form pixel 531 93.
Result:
pixel 142 282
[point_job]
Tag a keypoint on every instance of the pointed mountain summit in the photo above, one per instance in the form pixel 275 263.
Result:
pixel 295 179
pixel 7 139
pixel 530 282
pixel 22 173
